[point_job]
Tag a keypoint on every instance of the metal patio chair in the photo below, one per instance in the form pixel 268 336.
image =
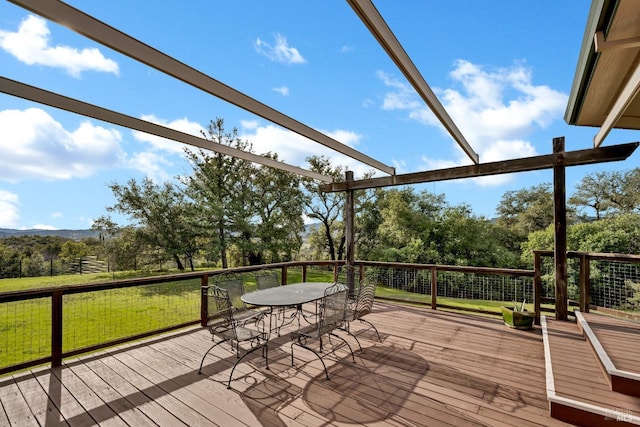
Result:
pixel 330 317
pixel 266 279
pixel 360 307
pixel 234 284
pixel 223 325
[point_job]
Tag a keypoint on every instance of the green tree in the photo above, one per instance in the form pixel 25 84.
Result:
pixel 34 266
pixel 256 210
pixel 408 227
pixel 221 189
pixel 121 246
pixel 9 262
pixel 620 234
pixel 278 204
pixel 527 210
pixel 160 215
pixel 326 208
pixel 73 250
pixel 607 193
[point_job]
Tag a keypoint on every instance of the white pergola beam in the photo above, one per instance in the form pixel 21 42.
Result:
pixel 21 90
pixel 381 31
pixel 619 107
pixel 100 32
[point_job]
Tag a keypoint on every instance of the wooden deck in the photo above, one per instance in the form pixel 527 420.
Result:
pixel 432 368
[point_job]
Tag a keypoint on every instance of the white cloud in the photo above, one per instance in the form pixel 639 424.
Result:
pixel 9 212
pixel 294 149
pixel 249 124
pixel 162 144
pixel 400 166
pixel 402 97
pixel 494 109
pixel 280 52
pixel 150 164
pixel 43 227
pixel 31 45
pixel 346 49
pixel 35 146
pixel 283 90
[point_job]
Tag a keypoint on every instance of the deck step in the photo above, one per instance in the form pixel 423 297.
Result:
pixel 616 343
pixel 577 390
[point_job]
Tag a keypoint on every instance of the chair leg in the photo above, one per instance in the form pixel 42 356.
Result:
pixel 374 328
pixel 326 372
pixel 348 331
pixel 205 355
pixel 245 355
pixel 345 341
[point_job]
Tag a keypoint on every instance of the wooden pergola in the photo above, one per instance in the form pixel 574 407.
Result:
pixel 602 95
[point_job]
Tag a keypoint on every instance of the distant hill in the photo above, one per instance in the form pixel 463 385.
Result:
pixel 68 234
pixel 80 234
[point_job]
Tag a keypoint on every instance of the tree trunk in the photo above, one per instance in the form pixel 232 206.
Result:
pixel 178 262
pixel 341 247
pixel 330 244
pixel 223 247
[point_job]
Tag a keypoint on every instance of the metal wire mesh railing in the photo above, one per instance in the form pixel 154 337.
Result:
pixel 39 326
pixel 608 281
pixel 25 331
pixel 114 314
pixel 615 284
pixel 453 286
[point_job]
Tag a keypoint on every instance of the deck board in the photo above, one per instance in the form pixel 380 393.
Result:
pixel 577 373
pixel 432 368
pixel 621 339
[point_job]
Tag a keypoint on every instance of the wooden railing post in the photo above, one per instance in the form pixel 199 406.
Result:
pixel 204 301
pixel 434 288
pixel 560 240
pixel 56 329
pixel 284 272
pixel 537 285
pixel 304 273
pixel 585 279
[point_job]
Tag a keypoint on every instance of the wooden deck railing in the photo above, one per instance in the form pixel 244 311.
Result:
pixel 602 280
pixel 51 325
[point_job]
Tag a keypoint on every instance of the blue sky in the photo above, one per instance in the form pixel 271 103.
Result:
pixel 503 70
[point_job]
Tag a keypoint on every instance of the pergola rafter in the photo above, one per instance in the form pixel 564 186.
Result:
pixel 381 31
pixel 106 35
pixel 52 99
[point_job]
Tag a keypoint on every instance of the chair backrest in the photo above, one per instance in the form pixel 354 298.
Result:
pixel 267 279
pixel 364 301
pixel 332 308
pixel 220 311
pixel 234 285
